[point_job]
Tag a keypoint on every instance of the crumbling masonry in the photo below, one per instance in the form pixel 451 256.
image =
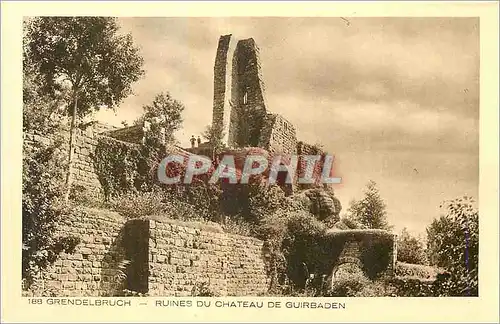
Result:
pixel 240 110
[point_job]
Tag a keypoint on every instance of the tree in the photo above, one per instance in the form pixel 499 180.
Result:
pixel 166 112
pixel 86 56
pixel 410 248
pixel 453 244
pixel 371 210
pixel 214 135
pixel 41 113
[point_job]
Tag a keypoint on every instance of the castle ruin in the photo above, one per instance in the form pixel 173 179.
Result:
pixel 240 111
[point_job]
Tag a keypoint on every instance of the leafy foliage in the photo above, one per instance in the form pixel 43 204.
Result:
pixel 453 244
pixel 296 246
pixel 410 270
pixel 136 205
pixel 214 135
pixel 85 54
pixel 42 114
pixel 85 58
pixel 347 222
pixel 263 199
pixel 202 289
pixel 116 165
pixel 166 112
pixel 349 286
pixel 376 255
pixel 411 287
pixel 157 202
pixel 251 201
pixel 370 211
pixel 323 205
pixel 42 209
pixel 410 249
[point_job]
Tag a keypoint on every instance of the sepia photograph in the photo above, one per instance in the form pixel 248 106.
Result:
pixel 250 156
pixel 204 161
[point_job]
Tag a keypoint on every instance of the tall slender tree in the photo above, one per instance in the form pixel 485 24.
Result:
pixel 87 56
pixel 370 211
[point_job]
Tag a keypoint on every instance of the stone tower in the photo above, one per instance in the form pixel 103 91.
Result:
pixel 239 107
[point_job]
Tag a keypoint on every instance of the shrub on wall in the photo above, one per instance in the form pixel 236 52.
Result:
pixel 154 203
pixel 263 200
pixel 82 196
pixel 306 249
pixel 202 289
pixel 376 255
pixel 141 204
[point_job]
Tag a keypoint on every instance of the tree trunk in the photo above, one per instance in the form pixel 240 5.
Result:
pixel 69 176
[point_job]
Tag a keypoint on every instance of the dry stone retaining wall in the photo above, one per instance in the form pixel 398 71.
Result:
pixel 167 258
pixel 182 256
pixel 92 269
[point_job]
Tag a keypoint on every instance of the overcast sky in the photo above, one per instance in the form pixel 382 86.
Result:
pixel 395 99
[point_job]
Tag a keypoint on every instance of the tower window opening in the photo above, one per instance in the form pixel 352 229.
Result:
pixel 245 98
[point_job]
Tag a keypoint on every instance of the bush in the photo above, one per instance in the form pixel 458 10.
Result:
pixel 202 289
pixel 136 205
pixel 82 196
pixel 377 288
pixel 410 287
pixel 348 286
pixel 156 203
pixel 202 196
pixel 297 248
pixel 320 202
pixel 237 225
pixel 347 222
pixel 416 271
pixel 453 244
pixel 252 201
pixel 410 249
pixel 263 200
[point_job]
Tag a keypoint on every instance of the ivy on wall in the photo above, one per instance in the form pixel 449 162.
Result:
pixel 124 167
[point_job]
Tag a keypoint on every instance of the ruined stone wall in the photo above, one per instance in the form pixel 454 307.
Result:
pixel 92 269
pixel 248 109
pixel 100 128
pixel 84 174
pixel 278 135
pixel 184 255
pixel 222 82
pixel 239 106
pixel 167 258
pixel 131 134
pixel 374 250
pixel 85 141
